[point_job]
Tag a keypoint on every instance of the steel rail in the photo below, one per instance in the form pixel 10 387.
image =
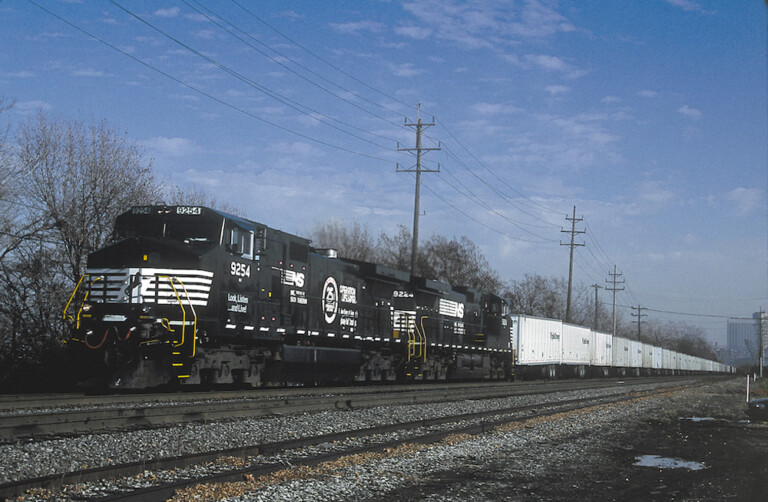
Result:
pixel 16 488
pixel 11 402
pixel 21 425
pixel 167 490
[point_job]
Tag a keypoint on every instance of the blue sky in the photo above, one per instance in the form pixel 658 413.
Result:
pixel 648 116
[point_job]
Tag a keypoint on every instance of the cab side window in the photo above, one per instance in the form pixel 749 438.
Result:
pixel 241 242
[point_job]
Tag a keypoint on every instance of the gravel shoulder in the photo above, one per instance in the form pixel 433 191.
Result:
pixel 589 454
pixel 713 452
pixel 586 455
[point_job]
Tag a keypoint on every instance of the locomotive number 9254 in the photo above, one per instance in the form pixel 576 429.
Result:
pixel 240 269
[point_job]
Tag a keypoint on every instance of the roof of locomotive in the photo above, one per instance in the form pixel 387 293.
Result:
pixel 193 210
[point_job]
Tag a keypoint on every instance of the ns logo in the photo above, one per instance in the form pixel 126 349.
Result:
pixel 330 300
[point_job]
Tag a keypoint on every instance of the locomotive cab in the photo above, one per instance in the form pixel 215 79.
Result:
pixel 146 297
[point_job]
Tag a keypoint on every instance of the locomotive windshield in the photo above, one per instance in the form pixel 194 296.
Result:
pixel 192 230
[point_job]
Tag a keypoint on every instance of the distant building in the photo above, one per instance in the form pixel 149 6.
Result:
pixel 744 339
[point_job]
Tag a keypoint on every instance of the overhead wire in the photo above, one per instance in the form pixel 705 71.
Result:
pixel 283 99
pixel 228 104
pixel 495 190
pixel 525 202
pixel 690 314
pixel 301 108
pixel 288 68
pixel 506 218
pixel 202 92
pixel 312 53
pixel 455 157
pixel 533 203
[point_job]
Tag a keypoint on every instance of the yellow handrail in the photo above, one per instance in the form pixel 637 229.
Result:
pixel 72 297
pixel 171 280
pixel 421 343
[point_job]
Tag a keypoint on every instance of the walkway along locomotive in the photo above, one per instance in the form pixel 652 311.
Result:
pixel 191 295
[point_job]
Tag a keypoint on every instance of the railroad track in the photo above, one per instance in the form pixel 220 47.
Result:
pixel 49 417
pixel 465 423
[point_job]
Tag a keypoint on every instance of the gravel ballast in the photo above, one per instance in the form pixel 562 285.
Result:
pixel 587 454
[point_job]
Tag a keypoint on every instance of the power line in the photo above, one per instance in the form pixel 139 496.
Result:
pixel 204 93
pixel 340 70
pixel 291 103
pixel 288 68
pixel 301 108
pixel 690 314
pixel 533 203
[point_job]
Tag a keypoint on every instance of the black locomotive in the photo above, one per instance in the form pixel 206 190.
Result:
pixel 190 295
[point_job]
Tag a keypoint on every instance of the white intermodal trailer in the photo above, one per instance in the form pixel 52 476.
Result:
pixel 601 353
pixel 549 348
pixel 576 350
pixel 539 344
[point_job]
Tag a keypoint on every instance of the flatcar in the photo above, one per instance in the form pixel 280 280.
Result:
pixel 188 295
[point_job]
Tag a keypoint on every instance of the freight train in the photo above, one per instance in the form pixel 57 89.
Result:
pixel 188 295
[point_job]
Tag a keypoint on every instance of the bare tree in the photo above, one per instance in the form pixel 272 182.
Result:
pixel 459 262
pixel 77 179
pixel 195 196
pixel 66 184
pixel 537 295
pixel 688 339
pixel 9 177
pixel 395 249
pixel 354 242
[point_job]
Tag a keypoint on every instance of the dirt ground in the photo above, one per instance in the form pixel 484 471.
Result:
pixel 708 428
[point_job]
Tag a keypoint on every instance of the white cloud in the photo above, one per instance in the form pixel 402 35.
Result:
pixel 549 63
pixel 168 13
pixel 29 107
pixel 494 108
pixel 415 32
pixel 690 112
pixel 358 27
pixel 557 147
pixel 689 6
pixel 745 200
pixel 88 72
pixel 486 24
pixel 554 90
pixel 20 74
pixel 206 34
pixel 192 98
pixel 646 93
pixel 546 62
pixel 196 17
pixel 171 147
pixel 610 99
pixel 405 70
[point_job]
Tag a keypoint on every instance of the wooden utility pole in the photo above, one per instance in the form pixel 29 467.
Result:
pixel 639 316
pixel 419 125
pixel 761 332
pixel 615 280
pixel 573 244
pixel 596 286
